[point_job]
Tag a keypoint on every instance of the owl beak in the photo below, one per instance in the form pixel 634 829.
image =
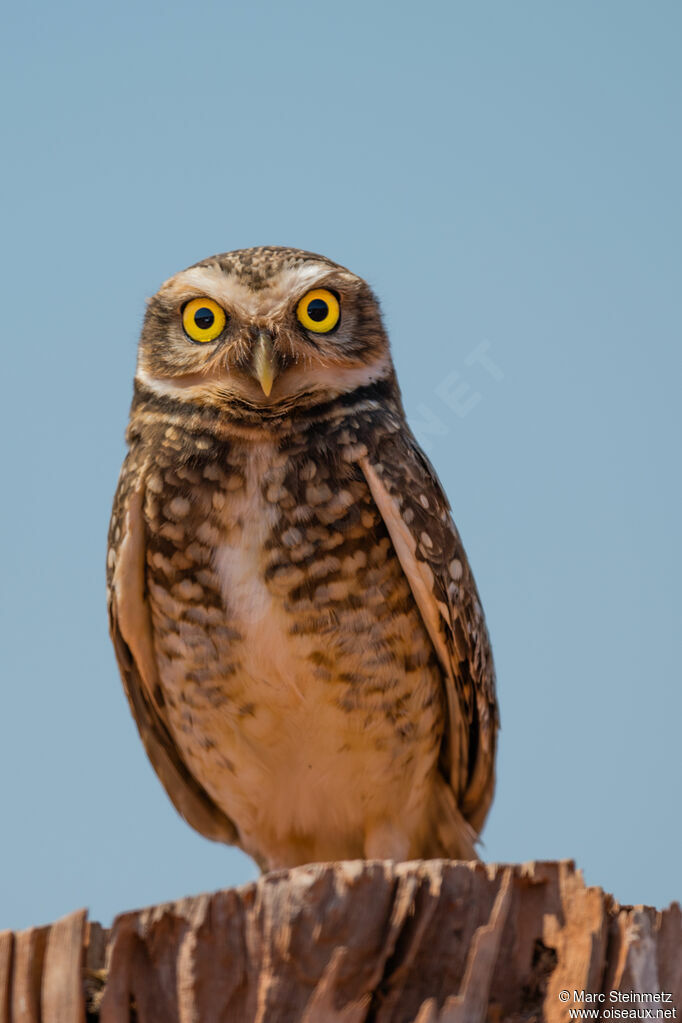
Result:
pixel 264 362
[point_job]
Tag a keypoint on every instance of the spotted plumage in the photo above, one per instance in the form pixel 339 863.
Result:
pixel 295 621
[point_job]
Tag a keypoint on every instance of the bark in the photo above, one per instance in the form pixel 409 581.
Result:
pixel 423 942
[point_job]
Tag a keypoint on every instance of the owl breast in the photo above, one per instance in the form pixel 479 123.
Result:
pixel 301 686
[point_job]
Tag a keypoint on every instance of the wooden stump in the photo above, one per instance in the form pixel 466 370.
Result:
pixel 422 942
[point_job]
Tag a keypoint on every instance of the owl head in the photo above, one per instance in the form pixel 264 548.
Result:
pixel 261 329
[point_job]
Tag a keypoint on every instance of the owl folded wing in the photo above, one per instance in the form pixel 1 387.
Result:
pixel 131 632
pixel 416 513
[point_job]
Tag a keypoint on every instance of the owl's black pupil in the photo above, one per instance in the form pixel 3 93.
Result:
pixel 204 318
pixel 318 310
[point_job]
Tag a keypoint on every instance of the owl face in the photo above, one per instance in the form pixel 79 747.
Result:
pixel 262 327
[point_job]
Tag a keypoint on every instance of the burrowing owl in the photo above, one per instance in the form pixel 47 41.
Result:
pixel 294 617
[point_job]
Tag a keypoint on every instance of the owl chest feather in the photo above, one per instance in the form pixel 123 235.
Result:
pixel 285 667
pixel 240 562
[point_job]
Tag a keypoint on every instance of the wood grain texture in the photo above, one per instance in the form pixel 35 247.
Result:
pixel 62 993
pixel 357 942
pixel 6 955
pixel 27 971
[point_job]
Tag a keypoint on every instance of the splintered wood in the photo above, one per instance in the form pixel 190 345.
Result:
pixel 423 942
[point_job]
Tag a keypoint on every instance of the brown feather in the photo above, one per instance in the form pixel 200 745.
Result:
pixel 130 628
pixel 402 480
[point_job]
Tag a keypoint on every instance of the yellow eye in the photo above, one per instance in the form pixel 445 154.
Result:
pixel 203 319
pixel 319 311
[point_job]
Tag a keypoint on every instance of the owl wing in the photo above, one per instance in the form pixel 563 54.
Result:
pixel 131 631
pixel 416 512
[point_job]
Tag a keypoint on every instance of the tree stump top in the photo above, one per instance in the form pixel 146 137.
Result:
pixel 423 942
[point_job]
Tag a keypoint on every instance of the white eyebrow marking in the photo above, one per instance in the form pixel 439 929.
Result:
pixel 239 297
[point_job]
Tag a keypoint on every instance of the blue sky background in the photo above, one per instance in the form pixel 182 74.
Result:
pixel 504 175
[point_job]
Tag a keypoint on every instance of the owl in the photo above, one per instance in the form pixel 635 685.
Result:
pixel 294 618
